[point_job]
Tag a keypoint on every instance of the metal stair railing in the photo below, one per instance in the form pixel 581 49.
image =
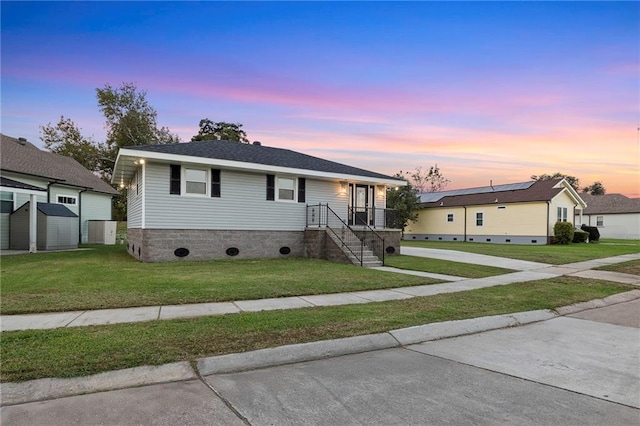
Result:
pixel 369 235
pixel 322 215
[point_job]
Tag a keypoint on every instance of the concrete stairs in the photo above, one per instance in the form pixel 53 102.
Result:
pixel 369 259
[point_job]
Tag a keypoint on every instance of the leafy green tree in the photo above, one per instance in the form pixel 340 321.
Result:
pixel 405 200
pixel 66 139
pixel 130 121
pixel 597 188
pixel 571 180
pixel 220 131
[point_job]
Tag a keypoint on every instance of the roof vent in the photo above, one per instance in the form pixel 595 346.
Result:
pixel 22 141
pixel 257 143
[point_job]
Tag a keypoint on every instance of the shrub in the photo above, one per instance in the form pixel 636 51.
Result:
pixel 563 232
pixel 580 236
pixel 594 234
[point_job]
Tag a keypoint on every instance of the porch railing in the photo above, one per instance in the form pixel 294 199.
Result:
pixel 356 241
pixel 374 217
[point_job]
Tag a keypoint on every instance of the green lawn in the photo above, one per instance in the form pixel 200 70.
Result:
pixel 80 351
pixel 436 266
pixel 107 277
pixel 552 254
pixel 630 267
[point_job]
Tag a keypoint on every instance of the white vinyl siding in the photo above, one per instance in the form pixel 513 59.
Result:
pixel 95 206
pixel 242 205
pixel 134 206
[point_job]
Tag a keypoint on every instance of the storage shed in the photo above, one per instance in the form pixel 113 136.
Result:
pixel 57 227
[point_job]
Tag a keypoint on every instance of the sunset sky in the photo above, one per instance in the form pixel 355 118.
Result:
pixel 487 91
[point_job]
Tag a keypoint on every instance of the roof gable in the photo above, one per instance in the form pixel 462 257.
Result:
pixel 20 156
pixel 246 156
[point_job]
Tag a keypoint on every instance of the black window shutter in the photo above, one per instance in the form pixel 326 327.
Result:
pixel 215 182
pixel 174 185
pixel 271 187
pixel 302 185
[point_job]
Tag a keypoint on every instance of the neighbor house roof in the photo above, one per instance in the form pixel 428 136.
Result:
pixel 10 183
pixel 22 157
pixel 543 190
pixel 256 157
pixel 610 204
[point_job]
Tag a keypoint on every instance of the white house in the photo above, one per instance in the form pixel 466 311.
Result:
pixel 615 215
pixel 26 172
pixel 221 199
pixel 515 213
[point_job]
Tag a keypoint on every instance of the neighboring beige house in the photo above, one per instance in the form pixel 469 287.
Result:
pixel 615 215
pixel 28 172
pixel 220 199
pixel 517 213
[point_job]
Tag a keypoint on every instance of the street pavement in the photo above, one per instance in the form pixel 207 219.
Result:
pixel 582 369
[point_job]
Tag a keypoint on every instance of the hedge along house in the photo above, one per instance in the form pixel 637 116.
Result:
pixel 517 213
pixel 615 215
pixel 220 199
pixel 29 174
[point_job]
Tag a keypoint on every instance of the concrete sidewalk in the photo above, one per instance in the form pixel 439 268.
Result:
pixel 50 389
pixel 149 313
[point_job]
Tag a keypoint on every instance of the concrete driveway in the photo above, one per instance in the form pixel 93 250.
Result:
pixel 577 370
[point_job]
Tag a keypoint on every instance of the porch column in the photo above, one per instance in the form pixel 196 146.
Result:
pixel 33 223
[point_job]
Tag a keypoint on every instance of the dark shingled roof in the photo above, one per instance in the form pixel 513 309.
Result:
pixel 539 191
pixel 258 154
pixel 23 157
pixel 50 209
pixel 610 203
pixel 10 183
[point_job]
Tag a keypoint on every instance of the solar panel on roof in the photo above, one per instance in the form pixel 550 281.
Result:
pixel 430 197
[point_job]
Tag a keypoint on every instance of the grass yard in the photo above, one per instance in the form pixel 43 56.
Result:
pixel 81 351
pixel 436 266
pixel 552 254
pixel 630 267
pixel 107 277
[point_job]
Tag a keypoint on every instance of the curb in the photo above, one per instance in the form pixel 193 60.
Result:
pixel 51 388
pixel 290 354
pixel 43 389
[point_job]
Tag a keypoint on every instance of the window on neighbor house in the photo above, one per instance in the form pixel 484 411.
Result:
pixel 562 214
pixel 6 202
pixel 479 219
pixel 195 181
pixel 450 217
pixel 599 220
pixel 67 199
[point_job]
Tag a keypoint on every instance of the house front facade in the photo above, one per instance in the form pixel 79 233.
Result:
pixel 518 213
pixel 615 215
pixel 221 199
pixel 27 172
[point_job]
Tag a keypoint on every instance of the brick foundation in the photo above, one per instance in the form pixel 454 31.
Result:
pixel 160 245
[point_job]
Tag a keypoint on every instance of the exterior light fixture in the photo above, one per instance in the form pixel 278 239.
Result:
pixel 343 187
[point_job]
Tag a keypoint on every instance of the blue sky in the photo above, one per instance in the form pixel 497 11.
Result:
pixel 487 90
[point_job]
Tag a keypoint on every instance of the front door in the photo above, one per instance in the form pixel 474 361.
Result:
pixel 361 204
